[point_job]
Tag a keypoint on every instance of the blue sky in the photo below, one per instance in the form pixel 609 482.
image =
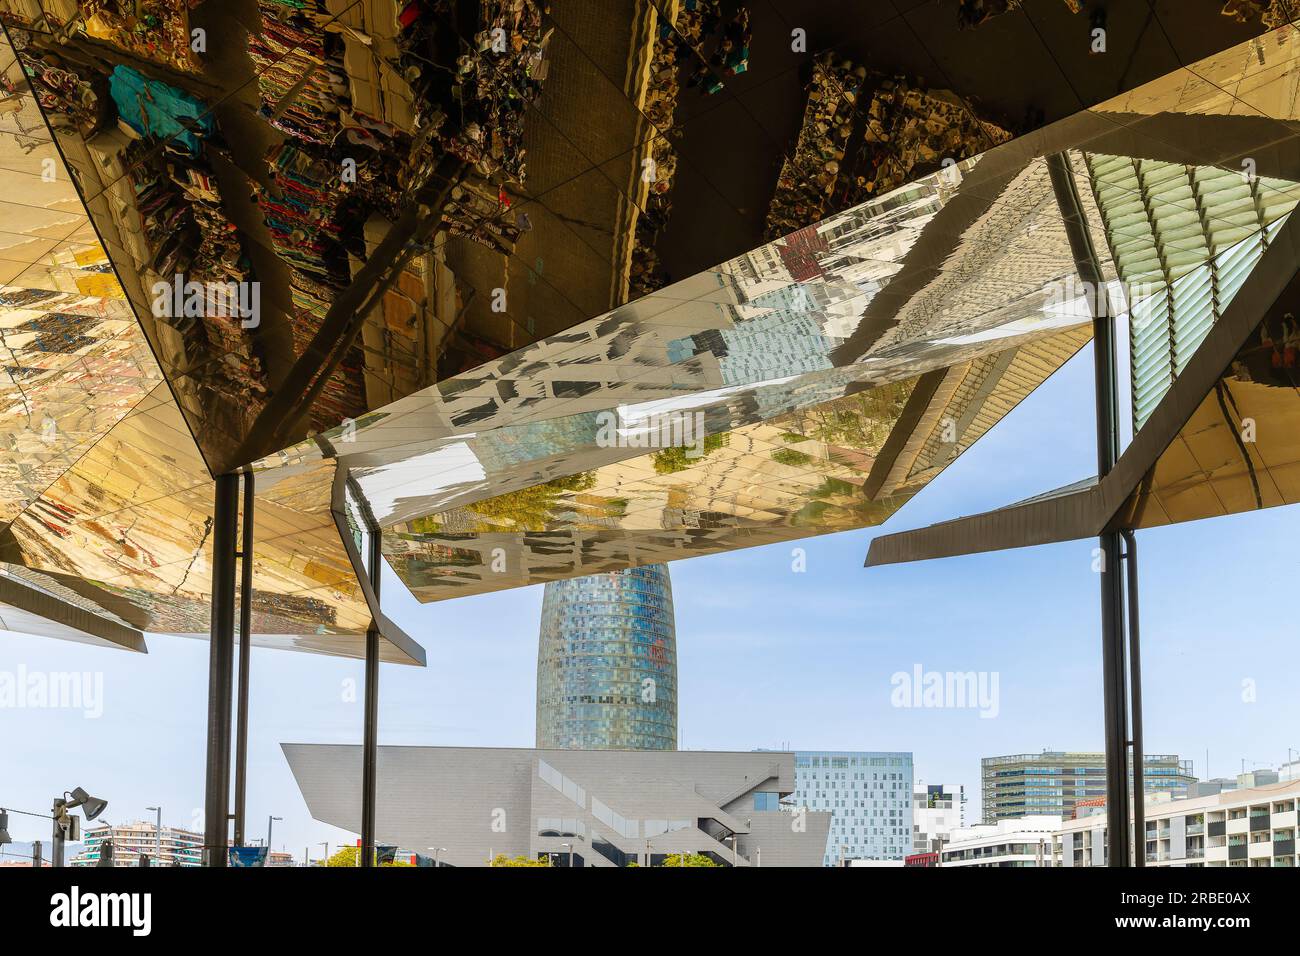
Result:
pixel 767 657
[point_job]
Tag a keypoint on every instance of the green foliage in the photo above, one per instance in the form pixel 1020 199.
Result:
pixel 692 859
pixel 672 460
pixel 861 421
pixel 351 856
pixel 788 456
pixel 528 509
pixel 502 860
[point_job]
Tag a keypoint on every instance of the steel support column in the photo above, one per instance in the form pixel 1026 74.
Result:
pixel 1114 678
pixel 245 641
pixel 216 807
pixel 1135 700
pixel 370 738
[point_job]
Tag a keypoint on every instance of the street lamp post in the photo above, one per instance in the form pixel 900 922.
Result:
pixel 270 822
pixel 326 860
pixel 158 832
pixel 570 846
pixel 436 850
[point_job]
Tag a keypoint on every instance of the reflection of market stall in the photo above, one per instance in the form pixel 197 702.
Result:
pixel 336 122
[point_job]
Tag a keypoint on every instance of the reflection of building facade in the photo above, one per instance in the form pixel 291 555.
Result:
pixel 869 796
pixel 607 663
pixel 133 840
pixel 1053 782
pixel 609 807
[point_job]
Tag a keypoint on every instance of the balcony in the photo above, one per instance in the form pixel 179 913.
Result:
pixel 1216 828
pixel 1284 847
pixel 1238 852
pixel 1260 822
pixel 1195 829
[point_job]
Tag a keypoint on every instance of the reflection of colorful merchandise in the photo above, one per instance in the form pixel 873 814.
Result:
pixel 150 107
pixel 247 856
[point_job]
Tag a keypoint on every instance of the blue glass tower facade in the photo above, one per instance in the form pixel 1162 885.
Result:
pixel 607 663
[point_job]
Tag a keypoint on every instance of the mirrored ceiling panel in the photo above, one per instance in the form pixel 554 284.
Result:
pixel 367 199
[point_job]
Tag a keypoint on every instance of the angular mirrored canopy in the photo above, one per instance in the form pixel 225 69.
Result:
pixel 521 345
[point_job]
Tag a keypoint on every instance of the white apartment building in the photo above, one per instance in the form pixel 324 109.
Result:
pixel 131 840
pixel 1019 842
pixel 937 811
pixel 1254 826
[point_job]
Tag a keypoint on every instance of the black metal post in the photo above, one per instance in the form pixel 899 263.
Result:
pixel 1135 701
pixel 245 641
pixel 370 738
pixel 58 834
pixel 1114 679
pixel 216 822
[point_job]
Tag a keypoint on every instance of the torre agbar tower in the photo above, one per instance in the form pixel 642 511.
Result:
pixel 607 663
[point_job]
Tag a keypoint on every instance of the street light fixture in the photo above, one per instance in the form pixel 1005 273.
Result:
pixel 270 823
pixel 570 846
pixel 436 850
pixel 66 825
pixel 90 806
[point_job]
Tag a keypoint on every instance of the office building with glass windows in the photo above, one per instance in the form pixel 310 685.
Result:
pixel 607 663
pixel 1053 782
pixel 869 796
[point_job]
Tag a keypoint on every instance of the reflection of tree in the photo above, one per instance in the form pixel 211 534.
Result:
pixel 528 509
pixel 788 456
pixel 672 460
pixel 861 421
pixel 838 504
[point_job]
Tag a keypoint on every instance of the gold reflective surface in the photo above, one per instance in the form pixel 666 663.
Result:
pixel 1240 449
pixel 826 376
pixel 110 500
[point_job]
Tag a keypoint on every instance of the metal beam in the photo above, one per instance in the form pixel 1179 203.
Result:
pixel 370 736
pixel 277 424
pixel 216 822
pixel 245 646
pixel 1106 394
pixel 1135 700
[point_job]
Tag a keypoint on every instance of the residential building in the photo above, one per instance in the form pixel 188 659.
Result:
pixel 1051 783
pixel 132 840
pixel 869 797
pixel 1246 826
pixel 1019 842
pixel 606 807
pixel 607 663
pixel 937 811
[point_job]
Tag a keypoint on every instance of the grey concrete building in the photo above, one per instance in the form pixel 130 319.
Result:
pixel 611 807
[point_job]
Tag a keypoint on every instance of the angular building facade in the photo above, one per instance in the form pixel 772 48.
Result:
pixel 607 663
pixel 581 808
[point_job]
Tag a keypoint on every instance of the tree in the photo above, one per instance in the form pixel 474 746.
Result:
pixel 351 855
pixel 692 859
pixel 502 860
